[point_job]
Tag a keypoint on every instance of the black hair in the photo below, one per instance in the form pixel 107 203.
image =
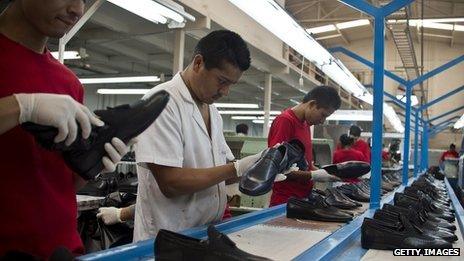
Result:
pixel 452 146
pixel 346 140
pixel 324 96
pixel 355 131
pixel 241 128
pixel 223 46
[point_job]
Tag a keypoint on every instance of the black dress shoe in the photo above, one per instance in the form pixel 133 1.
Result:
pixel 335 199
pixel 174 246
pixel 354 193
pixel 422 214
pixel 413 222
pixel 403 200
pixel 349 169
pixel 84 156
pixel 258 179
pixel 378 234
pixel 315 208
pixel 415 192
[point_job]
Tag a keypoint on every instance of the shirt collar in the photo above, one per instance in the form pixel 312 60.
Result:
pixel 183 89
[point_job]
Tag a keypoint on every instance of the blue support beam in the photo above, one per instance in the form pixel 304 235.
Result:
pixel 407 123
pixel 446 114
pixel 441 98
pixel 424 149
pixel 416 143
pixel 445 122
pixel 434 131
pixel 366 62
pixel 438 70
pixel 395 100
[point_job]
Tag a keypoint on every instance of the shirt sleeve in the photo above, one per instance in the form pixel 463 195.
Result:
pixel 162 142
pixel 281 130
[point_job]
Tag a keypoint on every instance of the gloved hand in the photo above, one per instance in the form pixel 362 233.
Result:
pixel 321 175
pixel 116 150
pixel 60 111
pixel 283 176
pixel 110 216
pixel 244 164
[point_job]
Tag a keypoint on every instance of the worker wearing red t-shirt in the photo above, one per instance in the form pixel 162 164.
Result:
pixel 347 153
pixel 359 144
pixel 294 123
pixel 37 189
pixel 451 153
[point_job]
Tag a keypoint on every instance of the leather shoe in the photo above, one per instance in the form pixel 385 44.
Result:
pixel 315 208
pixel 258 179
pixel 174 246
pixel 338 200
pixel 348 169
pixel 84 156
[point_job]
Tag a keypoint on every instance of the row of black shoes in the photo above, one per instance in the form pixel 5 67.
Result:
pixel 421 217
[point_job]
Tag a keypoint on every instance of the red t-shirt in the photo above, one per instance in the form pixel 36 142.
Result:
pixel 449 154
pixel 343 155
pixel 39 210
pixel 363 147
pixel 286 127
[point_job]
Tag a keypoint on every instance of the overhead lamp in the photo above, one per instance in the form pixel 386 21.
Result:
pixel 393 118
pixel 245 112
pixel 460 123
pixel 321 29
pixel 328 37
pixel 261 122
pixel 251 118
pixel 68 55
pixel 432 25
pixel 133 79
pixel 433 20
pixel 414 100
pixel 123 91
pixel 150 10
pixel 237 105
pixel 355 23
pixel 350 115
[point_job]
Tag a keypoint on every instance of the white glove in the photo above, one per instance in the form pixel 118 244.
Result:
pixel 321 175
pixel 110 216
pixel 244 164
pixel 282 176
pixel 116 150
pixel 60 111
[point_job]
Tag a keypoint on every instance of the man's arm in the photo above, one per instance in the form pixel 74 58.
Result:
pixel 9 113
pixel 175 182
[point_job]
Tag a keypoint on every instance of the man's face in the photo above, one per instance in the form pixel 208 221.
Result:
pixel 53 18
pixel 214 83
pixel 315 115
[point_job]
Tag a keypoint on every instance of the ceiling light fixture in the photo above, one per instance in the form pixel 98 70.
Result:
pixel 321 29
pixel 245 112
pixel 414 100
pixel 123 91
pixel 237 105
pixel 150 10
pixel 350 115
pixel 68 55
pixel 133 79
pixel 251 118
pixel 460 123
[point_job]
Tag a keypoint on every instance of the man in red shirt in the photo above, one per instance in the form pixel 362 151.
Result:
pixel 451 153
pixel 294 123
pixel 37 189
pixel 359 144
pixel 347 153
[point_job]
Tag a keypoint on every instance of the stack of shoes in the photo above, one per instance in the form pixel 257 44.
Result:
pixel 316 208
pixel 392 178
pixel 174 246
pixel 339 200
pixel 354 192
pixel 420 218
pixel 387 185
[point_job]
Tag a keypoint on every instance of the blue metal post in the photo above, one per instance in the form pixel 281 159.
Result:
pixel 425 148
pixel 416 143
pixel 407 123
pixel 377 128
pixel 446 121
pixel 441 98
pixel 446 113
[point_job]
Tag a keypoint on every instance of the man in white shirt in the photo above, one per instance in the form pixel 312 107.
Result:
pixel 183 157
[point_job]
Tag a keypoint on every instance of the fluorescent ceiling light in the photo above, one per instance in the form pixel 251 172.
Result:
pixel 328 37
pixel 414 100
pixel 321 29
pixel 275 19
pixel 249 112
pixel 68 55
pixel 237 105
pixel 355 23
pixel 460 123
pixel 251 118
pixel 120 79
pixel 123 91
pixel 150 10
pixel 433 20
pixel 350 115
pixel 261 122
pixel 433 25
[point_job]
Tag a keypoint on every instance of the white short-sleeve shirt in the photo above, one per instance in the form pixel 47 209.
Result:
pixel 179 138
